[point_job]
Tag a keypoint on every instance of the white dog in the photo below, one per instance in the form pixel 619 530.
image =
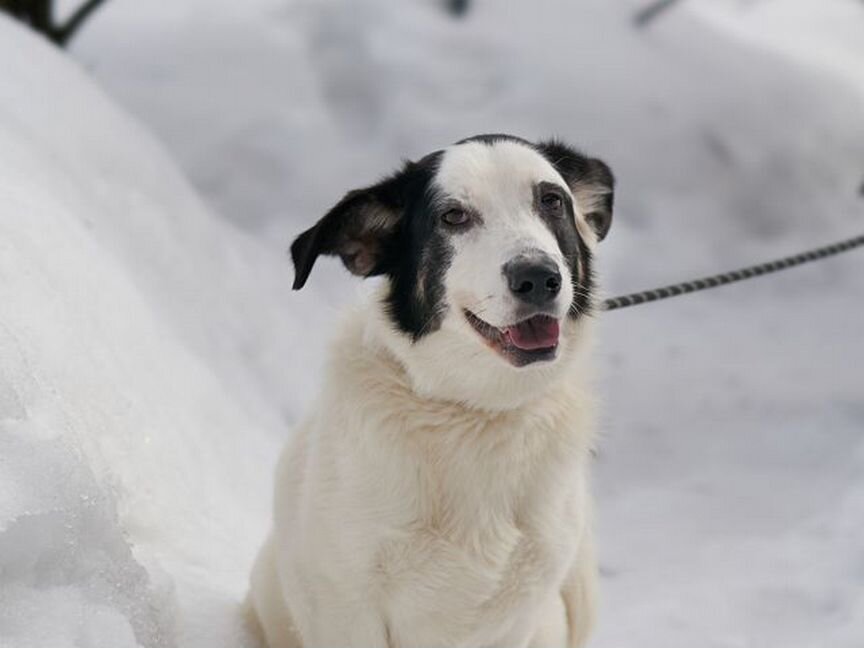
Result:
pixel 437 495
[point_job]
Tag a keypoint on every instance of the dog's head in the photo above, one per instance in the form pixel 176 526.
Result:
pixel 487 247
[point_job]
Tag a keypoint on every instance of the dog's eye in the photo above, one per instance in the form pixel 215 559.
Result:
pixel 552 201
pixel 455 217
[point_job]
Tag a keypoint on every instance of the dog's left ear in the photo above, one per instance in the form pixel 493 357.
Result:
pixel 360 229
pixel 590 180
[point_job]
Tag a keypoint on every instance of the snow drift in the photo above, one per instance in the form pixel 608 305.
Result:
pixel 131 385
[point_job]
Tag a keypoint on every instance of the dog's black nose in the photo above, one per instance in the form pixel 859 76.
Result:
pixel 534 280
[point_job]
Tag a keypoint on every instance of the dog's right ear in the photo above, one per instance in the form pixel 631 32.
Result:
pixel 590 180
pixel 360 229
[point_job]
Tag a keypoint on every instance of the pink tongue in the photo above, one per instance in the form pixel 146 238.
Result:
pixel 540 332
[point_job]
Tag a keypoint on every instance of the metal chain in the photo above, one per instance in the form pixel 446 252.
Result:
pixel 714 281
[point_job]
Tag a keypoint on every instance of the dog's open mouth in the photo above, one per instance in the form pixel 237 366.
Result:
pixel 532 340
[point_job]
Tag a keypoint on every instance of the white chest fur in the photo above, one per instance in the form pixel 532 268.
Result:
pixel 404 521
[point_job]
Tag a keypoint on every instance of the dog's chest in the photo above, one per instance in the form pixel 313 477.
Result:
pixel 487 539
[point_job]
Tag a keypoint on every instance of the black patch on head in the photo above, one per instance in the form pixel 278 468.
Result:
pixel 592 184
pixel 561 220
pixel 416 299
pixel 390 228
pixel 590 180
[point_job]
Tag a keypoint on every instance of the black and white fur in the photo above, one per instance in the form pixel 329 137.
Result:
pixel 436 495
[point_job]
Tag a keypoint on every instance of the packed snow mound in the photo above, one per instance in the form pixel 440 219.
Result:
pixel 130 385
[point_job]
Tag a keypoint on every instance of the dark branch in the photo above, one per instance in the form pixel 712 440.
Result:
pixel 458 7
pixel 39 15
pixel 651 12
pixel 61 35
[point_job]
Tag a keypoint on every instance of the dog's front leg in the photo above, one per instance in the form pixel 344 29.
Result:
pixel 579 593
pixel 318 615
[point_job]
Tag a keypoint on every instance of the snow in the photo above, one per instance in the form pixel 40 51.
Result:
pixel 154 357
pixel 828 40
pixel 128 377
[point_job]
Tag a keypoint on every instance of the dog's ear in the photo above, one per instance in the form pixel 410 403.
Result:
pixel 590 180
pixel 360 229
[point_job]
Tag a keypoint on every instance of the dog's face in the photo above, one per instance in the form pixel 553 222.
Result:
pixel 488 249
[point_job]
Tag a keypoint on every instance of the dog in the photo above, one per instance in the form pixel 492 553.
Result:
pixel 437 494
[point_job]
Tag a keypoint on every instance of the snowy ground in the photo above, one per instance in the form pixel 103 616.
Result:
pixel 153 358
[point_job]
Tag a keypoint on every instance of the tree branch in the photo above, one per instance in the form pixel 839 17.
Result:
pixel 458 7
pixel 651 12
pixel 38 14
pixel 61 35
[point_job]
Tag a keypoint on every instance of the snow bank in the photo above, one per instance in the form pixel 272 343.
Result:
pixel 825 37
pixel 152 356
pixel 132 380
